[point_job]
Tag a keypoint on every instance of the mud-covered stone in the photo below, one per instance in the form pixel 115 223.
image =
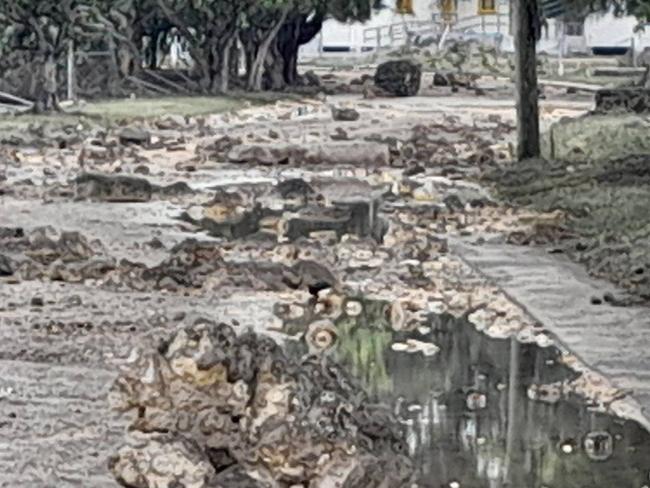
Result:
pixel 333 153
pixel 400 78
pixel 227 215
pixel 628 99
pixel 134 135
pixel 6 267
pixel 69 247
pixel 440 80
pixel 310 78
pixel 294 188
pixel 311 276
pixel 188 265
pixel 343 114
pixel 108 188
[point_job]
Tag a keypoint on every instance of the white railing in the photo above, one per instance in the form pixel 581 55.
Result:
pixel 392 34
pixel 482 24
pixel 398 33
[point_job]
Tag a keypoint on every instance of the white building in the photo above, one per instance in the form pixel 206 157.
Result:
pixel 489 20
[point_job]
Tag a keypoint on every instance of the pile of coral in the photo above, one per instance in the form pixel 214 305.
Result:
pixel 213 408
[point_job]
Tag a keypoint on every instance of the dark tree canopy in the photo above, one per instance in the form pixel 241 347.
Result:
pixel 35 34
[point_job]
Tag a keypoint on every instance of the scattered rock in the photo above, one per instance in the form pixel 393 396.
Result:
pixel 105 188
pixel 336 153
pixel 440 80
pixel 171 122
pixel 627 99
pixel 294 188
pixel 264 154
pixel 340 135
pixel 342 114
pixel 6 268
pixel 174 189
pixel 134 135
pixel 310 78
pixel 368 91
pixel 400 78
pixel 142 169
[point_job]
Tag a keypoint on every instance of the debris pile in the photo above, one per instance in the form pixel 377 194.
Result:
pixel 217 409
pixel 46 254
pixel 400 78
pixel 123 188
pixel 628 99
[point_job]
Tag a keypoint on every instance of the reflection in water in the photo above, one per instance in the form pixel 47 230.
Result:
pixel 467 416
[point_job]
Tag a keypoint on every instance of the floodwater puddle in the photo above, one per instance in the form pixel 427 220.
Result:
pixel 472 410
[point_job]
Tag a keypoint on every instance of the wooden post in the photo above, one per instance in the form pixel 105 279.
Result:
pixel 513 415
pixel 526 22
pixel 560 50
pixel 70 70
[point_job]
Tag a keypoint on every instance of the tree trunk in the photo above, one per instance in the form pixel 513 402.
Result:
pixel 294 33
pixel 305 32
pixel 46 98
pixel 257 68
pixel 286 47
pixel 274 70
pixel 235 58
pixel 526 35
pixel 225 63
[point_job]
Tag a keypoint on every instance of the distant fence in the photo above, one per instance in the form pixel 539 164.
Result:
pixel 399 32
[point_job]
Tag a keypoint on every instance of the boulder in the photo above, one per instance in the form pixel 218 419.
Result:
pixel 6 268
pixel 400 78
pixel 311 79
pixel 440 80
pixel 345 114
pixel 134 135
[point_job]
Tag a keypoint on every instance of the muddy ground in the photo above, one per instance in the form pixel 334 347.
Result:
pixel 273 219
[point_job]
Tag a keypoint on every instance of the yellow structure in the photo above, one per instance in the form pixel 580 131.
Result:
pixel 404 6
pixel 487 7
pixel 448 9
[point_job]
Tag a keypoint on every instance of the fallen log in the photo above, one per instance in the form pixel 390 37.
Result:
pixel 14 98
pixel 167 82
pixel 151 86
